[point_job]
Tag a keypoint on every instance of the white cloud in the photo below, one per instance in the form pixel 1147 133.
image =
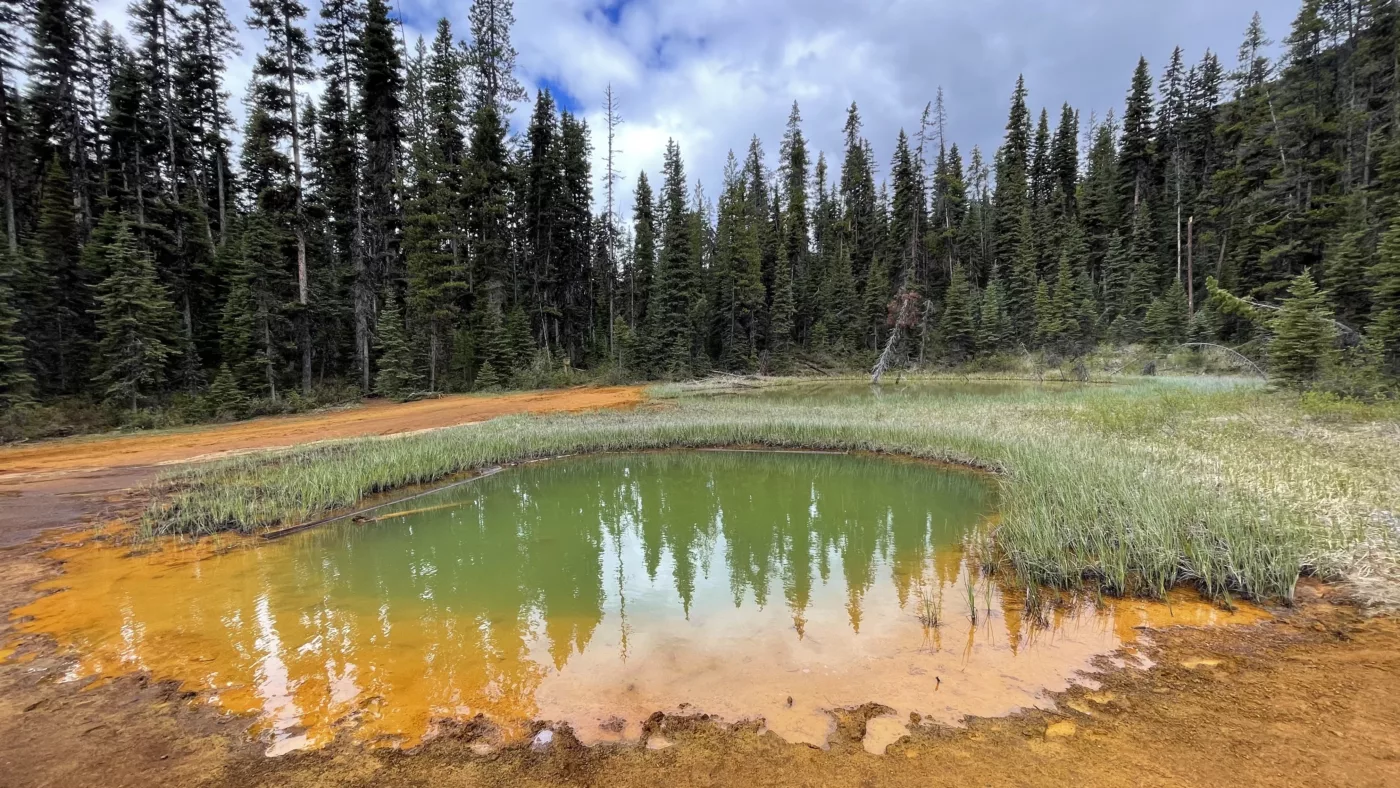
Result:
pixel 711 73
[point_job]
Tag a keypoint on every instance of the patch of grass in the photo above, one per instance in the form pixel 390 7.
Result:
pixel 1129 489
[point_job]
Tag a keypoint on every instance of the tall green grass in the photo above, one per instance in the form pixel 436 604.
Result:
pixel 1101 485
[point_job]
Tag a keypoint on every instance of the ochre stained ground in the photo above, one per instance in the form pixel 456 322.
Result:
pixel 53 484
pixel 1311 697
pixel 373 418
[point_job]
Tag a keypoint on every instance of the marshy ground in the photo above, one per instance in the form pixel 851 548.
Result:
pixel 1310 696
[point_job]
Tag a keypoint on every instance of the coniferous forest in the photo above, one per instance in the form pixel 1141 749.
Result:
pixel 391 235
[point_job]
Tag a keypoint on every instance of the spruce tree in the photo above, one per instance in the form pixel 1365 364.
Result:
pixel 397 378
pixel 226 399
pixel 957 327
pixel 16 384
pixel 381 112
pixel 1304 336
pixel 55 292
pixel 643 252
pixel 876 304
pixel 1047 328
pixel 1021 291
pixel 134 323
pixel 1012 183
pixel 1166 322
pixel 676 285
pixel 993 324
pixel 1384 277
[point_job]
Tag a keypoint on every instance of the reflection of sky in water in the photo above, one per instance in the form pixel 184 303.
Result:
pixel 582 589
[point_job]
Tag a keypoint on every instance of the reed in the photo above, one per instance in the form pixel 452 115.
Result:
pixel 1131 489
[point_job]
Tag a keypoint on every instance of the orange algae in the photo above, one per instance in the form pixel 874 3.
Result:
pixel 306 670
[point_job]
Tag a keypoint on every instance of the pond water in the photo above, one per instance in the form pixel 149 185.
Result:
pixel 595 591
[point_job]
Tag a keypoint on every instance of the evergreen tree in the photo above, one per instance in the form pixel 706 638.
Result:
pixel 397 377
pixel 226 399
pixel 16 384
pixel 134 322
pixel 1047 318
pixel 676 286
pixel 1305 337
pixel 993 324
pixel 54 291
pixel 1385 294
pixel 1166 322
pixel 876 305
pixel 1012 183
pixel 643 251
pixel 1021 292
pixel 381 112
pixel 1136 154
pixel 957 327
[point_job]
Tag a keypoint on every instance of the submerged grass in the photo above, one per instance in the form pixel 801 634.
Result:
pixel 1132 489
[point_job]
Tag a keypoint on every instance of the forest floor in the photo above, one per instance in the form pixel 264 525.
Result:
pixel 1311 696
pixel 51 484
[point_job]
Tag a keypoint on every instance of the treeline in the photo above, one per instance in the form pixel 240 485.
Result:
pixel 393 233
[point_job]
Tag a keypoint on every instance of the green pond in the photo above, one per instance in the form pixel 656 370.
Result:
pixel 591 591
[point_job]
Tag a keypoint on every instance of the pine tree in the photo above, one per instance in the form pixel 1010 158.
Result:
pixel 1047 317
pixel 1012 184
pixel 1166 322
pixel 520 344
pixel 643 251
pixel 675 288
pixel 1305 337
pixel 397 377
pixel 274 95
pixel 858 197
pixel 486 377
pixel 381 112
pixel 1135 155
pixel 1384 276
pixel 134 323
pixel 993 325
pixel 1021 292
pixel 54 293
pixel 16 384
pixel 957 327
pixel 226 399
pixel 876 305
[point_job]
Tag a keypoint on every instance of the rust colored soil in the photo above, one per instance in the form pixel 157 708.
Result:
pixel 1309 698
pixel 373 418
pixel 55 483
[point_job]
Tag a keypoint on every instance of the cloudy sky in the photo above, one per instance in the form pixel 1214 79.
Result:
pixel 712 73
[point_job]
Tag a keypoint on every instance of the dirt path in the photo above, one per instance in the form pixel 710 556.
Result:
pixel 373 418
pixel 54 483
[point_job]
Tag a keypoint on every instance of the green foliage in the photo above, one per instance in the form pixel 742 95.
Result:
pixel 993 324
pixel 397 378
pixel 486 377
pixel 1305 337
pixel 957 327
pixel 134 324
pixel 16 384
pixel 226 399
pixel 1167 322
pixel 1385 295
